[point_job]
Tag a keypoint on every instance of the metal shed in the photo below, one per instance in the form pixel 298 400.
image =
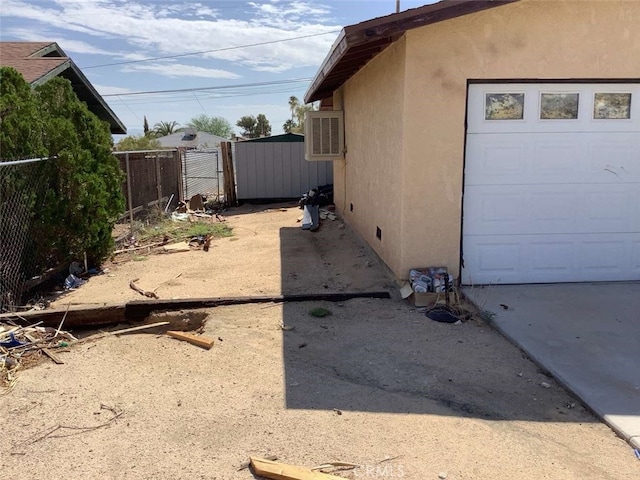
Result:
pixel 275 167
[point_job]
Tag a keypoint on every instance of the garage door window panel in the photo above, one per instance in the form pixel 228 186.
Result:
pixel 559 106
pixel 612 106
pixel 504 106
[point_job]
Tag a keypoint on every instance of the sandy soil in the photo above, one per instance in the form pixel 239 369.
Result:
pixel 374 380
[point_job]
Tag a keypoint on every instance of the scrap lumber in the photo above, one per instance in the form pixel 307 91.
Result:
pixel 175 248
pixel 137 310
pixel 77 316
pixel 282 471
pixel 52 356
pixel 200 341
pixel 138 328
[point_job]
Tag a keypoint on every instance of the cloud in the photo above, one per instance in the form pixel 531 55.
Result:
pixel 157 29
pixel 75 46
pixel 109 90
pixel 179 70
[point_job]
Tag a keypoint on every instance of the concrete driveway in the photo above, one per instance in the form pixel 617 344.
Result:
pixel 586 335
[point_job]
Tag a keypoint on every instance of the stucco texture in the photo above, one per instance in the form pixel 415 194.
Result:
pixel 405 112
pixel 370 177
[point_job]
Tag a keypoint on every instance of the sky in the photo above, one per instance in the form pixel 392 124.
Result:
pixel 231 57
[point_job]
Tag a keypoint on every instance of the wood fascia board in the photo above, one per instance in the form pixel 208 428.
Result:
pixel 99 98
pixel 54 72
pixel 392 26
pixel 336 53
pixel 53 46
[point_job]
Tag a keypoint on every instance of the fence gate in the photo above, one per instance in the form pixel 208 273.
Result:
pixel 202 173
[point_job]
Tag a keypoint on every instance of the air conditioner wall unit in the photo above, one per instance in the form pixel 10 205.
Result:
pixel 324 135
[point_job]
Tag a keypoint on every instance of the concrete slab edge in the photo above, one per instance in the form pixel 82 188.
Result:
pixel 633 441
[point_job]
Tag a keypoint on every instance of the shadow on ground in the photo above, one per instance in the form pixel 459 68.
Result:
pixel 384 356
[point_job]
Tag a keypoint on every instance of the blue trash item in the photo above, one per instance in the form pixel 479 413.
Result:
pixel 12 342
pixel 73 282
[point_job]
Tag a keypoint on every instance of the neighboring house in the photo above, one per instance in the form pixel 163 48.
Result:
pixel 274 167
pixel 190 138
pixel 500 139
pixel 39 62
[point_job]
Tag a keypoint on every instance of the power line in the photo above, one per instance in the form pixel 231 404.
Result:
pixel 220 87
pixel 127 62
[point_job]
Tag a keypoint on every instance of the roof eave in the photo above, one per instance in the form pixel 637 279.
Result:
pixel 333 57
pixel 48 49
pixel 385 30
pixel 116 125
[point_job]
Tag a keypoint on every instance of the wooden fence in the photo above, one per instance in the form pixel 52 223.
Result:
pixel 154 177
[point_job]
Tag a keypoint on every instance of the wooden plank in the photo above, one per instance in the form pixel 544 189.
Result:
pixel 111 314
pixel 200 341
pixel 175 248
pixel 139 309
pixel 141 327
pixel 52 356
pixel 283 471
pixel 78 316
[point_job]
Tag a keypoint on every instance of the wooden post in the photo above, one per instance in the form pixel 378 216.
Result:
pixel 158 179
pixel 128 167
pixel 229 175
pixel 178 162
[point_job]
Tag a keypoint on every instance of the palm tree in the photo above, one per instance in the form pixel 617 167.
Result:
pixel 293 105
pixel 163 128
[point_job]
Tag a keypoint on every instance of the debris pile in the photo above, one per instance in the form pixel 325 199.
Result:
pixel 197 206
pixel 311 202
pixel 22 347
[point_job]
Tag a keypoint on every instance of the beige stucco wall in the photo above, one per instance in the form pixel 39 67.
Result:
pixel 370 175
pixel 423 162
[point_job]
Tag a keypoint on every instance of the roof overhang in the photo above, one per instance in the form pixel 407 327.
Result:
pixel 358 44
pixel 88 94
pixel 39 62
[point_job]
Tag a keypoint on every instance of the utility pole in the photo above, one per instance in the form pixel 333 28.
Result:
pixel 397 6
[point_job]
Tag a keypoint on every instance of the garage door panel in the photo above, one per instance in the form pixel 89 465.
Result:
pixel 556 258
pixel 498 159
pixel 508 159
pixel 551 209
pixel 551 200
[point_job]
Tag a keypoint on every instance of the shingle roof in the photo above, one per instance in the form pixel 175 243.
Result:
pixel 25 58
pixel 202 139
pixel 40 61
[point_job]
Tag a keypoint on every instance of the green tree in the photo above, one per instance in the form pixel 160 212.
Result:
pixel 137 142
pixel 145 127
pixel 293 104
pixel 162 128
pixel 296 123
pixel 289 126
pixel 73 199
pixel 254 127
pixel 20 126
pixel 248 125
pixel 85 195
pixel 215 125
pixel 263 127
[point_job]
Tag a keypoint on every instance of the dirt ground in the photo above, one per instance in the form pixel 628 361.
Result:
pixel 375 383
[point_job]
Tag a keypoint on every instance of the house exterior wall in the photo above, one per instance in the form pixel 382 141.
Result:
pixel 563 39
pixel 369 177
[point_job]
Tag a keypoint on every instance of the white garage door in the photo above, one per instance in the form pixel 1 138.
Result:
pixel 552 183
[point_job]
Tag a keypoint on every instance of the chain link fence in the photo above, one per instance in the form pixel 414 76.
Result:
pixel 20 185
